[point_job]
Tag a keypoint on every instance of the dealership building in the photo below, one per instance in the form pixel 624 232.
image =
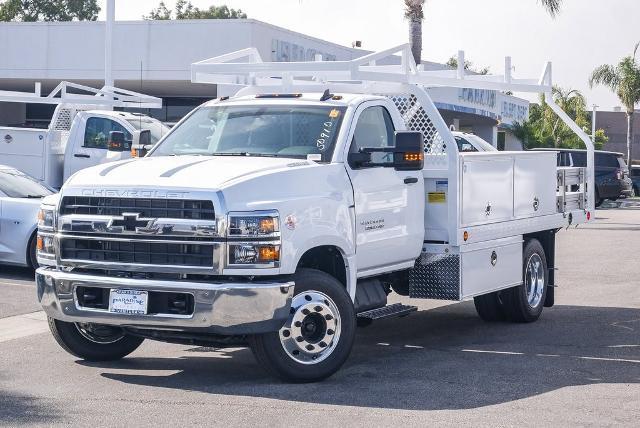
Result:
pixel 154 57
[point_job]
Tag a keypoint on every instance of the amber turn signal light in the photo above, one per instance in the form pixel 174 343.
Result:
pixel 413 157
pixel 268 253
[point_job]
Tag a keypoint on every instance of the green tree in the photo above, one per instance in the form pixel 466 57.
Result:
pixel 545 129
pixel 624 80
pixel 49 10
pixel 185 10
pixel 414 13
pixel 468 65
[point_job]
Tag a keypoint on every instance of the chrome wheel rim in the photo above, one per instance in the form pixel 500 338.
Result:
pixel 534 280
pixel 102 334
pixel 312 331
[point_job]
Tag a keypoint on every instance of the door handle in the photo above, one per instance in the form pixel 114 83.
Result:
pixel 410 180
pixel 81 155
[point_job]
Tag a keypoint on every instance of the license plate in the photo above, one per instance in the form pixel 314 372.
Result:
pixel 128 302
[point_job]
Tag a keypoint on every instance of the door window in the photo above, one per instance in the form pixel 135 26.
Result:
pixel 374 129
pixel 97 132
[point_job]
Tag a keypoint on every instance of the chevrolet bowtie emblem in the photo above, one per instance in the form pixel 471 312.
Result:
pixel 129 222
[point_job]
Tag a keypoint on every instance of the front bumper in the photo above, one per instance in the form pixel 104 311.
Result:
pixel 225 308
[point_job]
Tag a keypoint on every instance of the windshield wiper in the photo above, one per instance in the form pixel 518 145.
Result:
pixel 34 196
pixel 248 154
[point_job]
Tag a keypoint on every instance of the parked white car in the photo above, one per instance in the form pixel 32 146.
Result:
pixel 20 198
pixel 468 143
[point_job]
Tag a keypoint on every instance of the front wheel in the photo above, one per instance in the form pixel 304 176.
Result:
pixel 525 302
pixel 317 337
pixel 93 342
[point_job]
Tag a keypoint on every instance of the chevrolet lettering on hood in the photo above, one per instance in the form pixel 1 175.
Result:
pixel 123 193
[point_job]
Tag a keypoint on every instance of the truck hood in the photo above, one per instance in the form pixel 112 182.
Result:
pixel 186 172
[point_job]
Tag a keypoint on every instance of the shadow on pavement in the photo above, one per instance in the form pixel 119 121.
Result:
pixel 16 409
pixel 444 358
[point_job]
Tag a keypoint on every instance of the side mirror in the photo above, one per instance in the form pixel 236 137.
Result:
pixel 116 141
pixel 141 143
pixel 407 153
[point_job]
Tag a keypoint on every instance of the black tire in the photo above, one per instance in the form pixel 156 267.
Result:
pixel 598 200
pixel 490 307
pixel 270 352
pixel 110 348
pixel 516 301
pixel 32 258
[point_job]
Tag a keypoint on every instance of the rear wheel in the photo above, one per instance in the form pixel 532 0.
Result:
pixel 490 307
pixel 93 342
pixel 318 336
pixel 525 302
pixel 598 199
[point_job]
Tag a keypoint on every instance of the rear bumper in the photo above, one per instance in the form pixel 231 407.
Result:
pixel 225 308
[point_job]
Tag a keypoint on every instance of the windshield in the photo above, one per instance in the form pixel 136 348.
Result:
pixel 265 130
pixel 157 128
pixel 16 184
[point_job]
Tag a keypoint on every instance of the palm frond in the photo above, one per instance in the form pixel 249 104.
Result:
pixel 606 75
pixel 552 6
pixel 414 9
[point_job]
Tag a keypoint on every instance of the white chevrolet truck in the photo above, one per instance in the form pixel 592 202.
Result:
pixel 282 217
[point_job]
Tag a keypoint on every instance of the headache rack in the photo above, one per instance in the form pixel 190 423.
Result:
pixel 393 73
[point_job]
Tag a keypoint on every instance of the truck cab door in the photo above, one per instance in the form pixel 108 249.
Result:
pixel 389 204
pixel 89 145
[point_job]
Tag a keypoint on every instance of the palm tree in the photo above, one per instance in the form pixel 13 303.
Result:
pixel 572 102
pixel 624 80
pixel 414 12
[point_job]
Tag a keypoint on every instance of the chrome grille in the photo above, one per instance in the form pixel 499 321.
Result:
pixel 145 207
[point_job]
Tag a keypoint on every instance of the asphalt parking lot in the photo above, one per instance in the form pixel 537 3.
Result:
pixel 579 364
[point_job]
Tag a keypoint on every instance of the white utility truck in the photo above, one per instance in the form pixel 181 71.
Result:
pixel 282 217
pixel 79 135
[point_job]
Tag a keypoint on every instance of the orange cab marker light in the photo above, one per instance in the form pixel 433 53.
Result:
pixel 465 236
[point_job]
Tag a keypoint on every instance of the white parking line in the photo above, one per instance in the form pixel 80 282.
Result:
pixel 491 352
pixel 20 326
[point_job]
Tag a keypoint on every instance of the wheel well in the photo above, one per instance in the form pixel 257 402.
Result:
pixel 548 240
pixel 328 259
pixel 33 236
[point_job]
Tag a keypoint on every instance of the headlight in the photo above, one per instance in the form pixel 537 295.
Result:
pixel 262 255
pixel 250 225
pixel 44 244
pixel 45 219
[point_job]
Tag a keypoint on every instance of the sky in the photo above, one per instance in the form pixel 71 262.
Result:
pixel 585 34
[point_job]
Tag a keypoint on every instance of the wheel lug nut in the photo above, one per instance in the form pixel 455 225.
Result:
pixel 318 308
pixel 286 333
pixel 330 332
pixel 310 347
pixel 305 311
pixel 322 345
pixel 307 298
pixel 299 338
pixel 297 324
pixel 328 317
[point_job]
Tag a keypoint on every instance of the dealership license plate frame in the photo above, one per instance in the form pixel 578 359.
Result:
pixel 131 302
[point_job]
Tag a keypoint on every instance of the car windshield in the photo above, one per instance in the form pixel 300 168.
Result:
pixel 16 184
pixel 265 130
pixel 157 128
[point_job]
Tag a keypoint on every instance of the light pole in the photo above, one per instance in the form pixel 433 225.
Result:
pixel 108 41
pixel 593 123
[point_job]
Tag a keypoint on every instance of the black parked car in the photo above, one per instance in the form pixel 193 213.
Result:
pixel 611 173
pixel 635 178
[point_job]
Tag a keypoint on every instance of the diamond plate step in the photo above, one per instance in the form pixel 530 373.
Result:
pixel 390 311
